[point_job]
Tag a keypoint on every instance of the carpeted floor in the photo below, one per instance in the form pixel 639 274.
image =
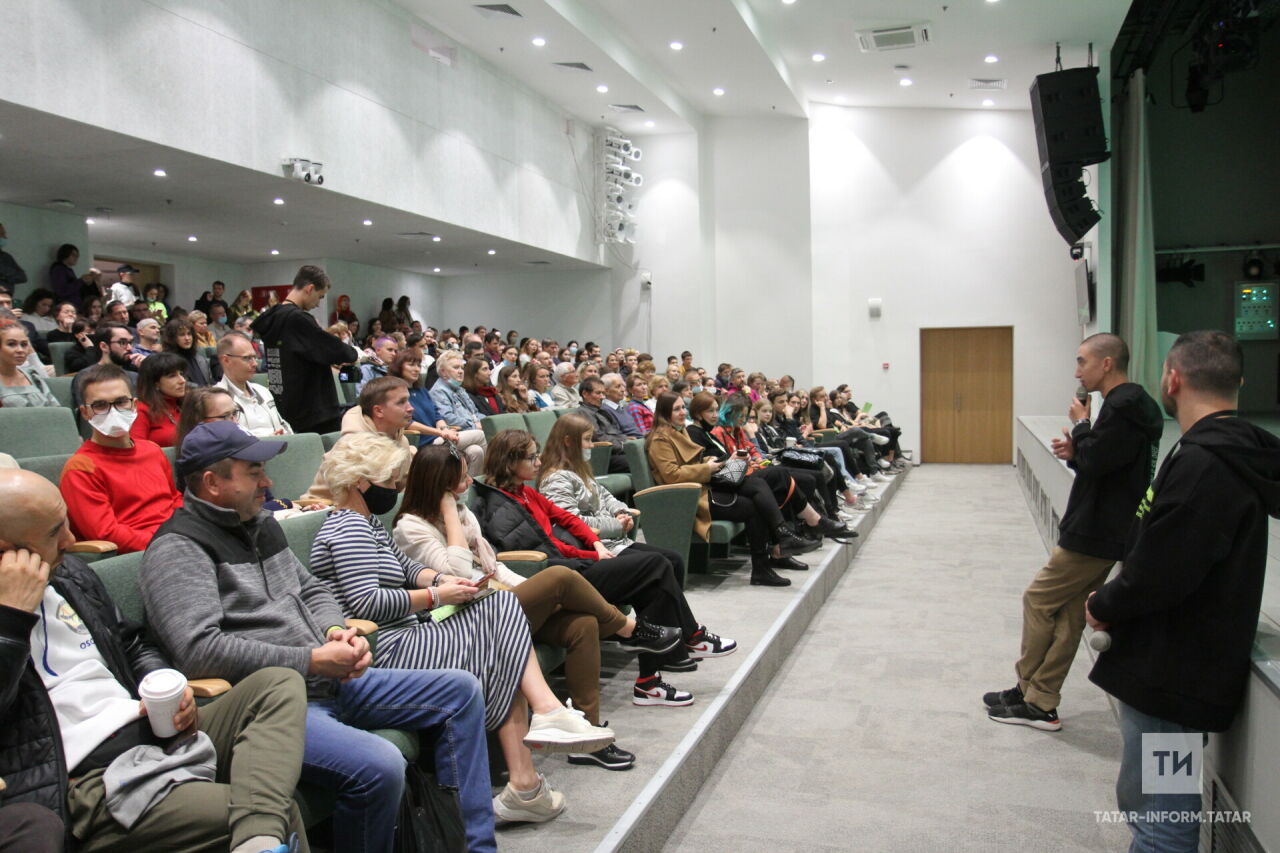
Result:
pixel 873 737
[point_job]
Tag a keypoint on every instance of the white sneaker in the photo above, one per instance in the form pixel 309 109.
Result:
pixel 858 488
pixel 509 807
pixel 877 438
pixel 883 463
pixel 880 478
pixel 566 730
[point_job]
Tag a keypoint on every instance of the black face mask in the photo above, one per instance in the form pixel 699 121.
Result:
pixel 380 499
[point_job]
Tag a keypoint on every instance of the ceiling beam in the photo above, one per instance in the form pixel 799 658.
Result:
pixel 771 51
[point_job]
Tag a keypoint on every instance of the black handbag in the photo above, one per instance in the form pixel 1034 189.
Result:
pixel 797 457
pixel 430 819
pixel 731 475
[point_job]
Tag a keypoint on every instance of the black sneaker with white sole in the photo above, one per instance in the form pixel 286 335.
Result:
pixel 1012 696
pixel 685 664
pixel 647 637
pixel 654 691
pixel 610 758
pixel 1026 714
pixel 704 644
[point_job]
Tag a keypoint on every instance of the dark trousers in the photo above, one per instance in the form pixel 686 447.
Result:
pixel 29 828
pixel 754 505
pixel 643 576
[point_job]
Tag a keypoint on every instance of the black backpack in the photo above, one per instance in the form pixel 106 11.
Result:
pixel 430 820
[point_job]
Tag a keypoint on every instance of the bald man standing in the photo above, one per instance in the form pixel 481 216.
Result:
pixel 70 666
pixel 1114 461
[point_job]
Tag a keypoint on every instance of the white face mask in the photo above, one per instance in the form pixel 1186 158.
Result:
pixel 586 454
pixel 113 423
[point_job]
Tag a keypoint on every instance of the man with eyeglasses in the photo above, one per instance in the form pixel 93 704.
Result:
pixel 115 488
pixel 114 345
pixel 257 405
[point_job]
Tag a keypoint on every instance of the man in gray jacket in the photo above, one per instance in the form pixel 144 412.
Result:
pixel 227 597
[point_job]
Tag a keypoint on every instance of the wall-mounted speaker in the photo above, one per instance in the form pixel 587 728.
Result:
pixel 1070 135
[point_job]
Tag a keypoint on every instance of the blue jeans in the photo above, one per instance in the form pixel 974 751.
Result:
pixel 1155 835
pixel 836 458
pixel 367 772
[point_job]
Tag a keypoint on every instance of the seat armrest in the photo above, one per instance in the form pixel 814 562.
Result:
pixel 666 488
pixel 363 626
pixel 208 687
pixel 601 444
pixel 92 546
pixel 522 557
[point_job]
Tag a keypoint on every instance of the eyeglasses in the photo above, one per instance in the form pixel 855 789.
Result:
pixel 532 457
pixel 101 407
pixel 229 416
pixel 247 359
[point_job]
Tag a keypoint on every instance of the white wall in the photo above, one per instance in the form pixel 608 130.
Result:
pixel 186 275
pixel 368 285
pixel 576 305
pixel 941 214
pixel 34 237
pixel 332 80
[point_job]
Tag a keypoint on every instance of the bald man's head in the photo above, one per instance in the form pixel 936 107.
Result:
pixel 1106 345
pixel 32 515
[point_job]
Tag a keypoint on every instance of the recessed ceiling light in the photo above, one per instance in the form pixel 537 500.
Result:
pixel 677 45
pixel 493 251
pixel 987 102
pixel 993 1
pixel 436 239
pixel 717 91
pixel 275 251
pixel 819 57
pixel 435 269
pixel 191 239
pixel 277 201
pixel 367 222
pixel 991 58
pixel 905 81
pixel 649 123
pixel 602 88
pixel 539 41
pixel 788 2
pixel 89 221
pixel 160 173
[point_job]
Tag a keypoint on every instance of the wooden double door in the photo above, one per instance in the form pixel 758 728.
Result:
pixel 966 394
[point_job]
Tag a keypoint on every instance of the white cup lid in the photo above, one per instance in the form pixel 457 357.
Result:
pixel 163 681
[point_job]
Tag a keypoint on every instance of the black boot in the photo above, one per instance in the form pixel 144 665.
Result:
pixel 792 544
pixel 787 563
pixel 833 529
pixel 763 575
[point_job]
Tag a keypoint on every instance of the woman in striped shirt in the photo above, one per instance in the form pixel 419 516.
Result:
pixel 429 620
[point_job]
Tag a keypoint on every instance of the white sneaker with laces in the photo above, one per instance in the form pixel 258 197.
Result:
pixel 566 730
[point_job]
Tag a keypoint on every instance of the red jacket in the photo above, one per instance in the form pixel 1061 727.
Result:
pixel 164 433
pixel 736 439
pixel 546 514
pixel 121 494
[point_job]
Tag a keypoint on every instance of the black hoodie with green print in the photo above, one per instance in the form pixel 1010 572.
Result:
pixel 1184 607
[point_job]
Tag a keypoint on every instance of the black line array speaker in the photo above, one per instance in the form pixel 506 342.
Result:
pixel 1067 110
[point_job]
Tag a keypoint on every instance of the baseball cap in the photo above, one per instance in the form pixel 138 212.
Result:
pixel 210 443
pixel 124 268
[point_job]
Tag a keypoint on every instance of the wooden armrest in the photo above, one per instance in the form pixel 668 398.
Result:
pixel 666 488
pixel 93 546
pixel 601 444
pixel 3 785
pixel 207 687
pixel 363 626
pixel 521 557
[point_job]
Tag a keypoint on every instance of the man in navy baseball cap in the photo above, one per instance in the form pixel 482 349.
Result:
pixel 223 463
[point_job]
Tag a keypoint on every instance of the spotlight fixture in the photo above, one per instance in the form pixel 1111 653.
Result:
pixel 275 251
pixel 677 45
pixel 160 173
pixel 493 251
pixel 435 269
pixel 1254 268
pixel 987 102
pixel 277 201
pixel 367 222
pixel 191 239
pixel 904 81
pixel 718 92
pixel 436 239
pixel 819 57
pixel 990 59
pixel 539 41
pixel 602 88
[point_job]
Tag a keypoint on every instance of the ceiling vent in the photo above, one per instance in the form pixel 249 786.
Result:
pixel 893 38
pixel 539 263
pixel 415 235
pixel 60 203
pixel 489 9
pixel 978 83
pixel 572 66
pixel 626 108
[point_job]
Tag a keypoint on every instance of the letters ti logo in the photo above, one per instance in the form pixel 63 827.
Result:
pixel 1171 763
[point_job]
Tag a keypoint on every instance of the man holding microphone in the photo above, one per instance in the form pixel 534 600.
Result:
pixel 1114 459
pixel 1183 611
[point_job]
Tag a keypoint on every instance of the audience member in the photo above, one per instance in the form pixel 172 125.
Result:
pixel 63 280
pixel 111 344
pixel 218 322
pixel 615 400
pixel 64 319
pixel 476 381
pixel 11 274
pixel 219 621
pixel 537 378
pixel 342 312
pixel 154 302
pixel 384 352
pixel 20 385
pixel 118 312
pixel 255 404
pixel 162 384
pixel 453 403
pixel 638 392
pixel 513 394
pixel 68 727
pixel 178 337
pixel 214 297
pixel 299 354
pixel 125 289
pixel 426 420
pixel 200 328
pixel 37 309
pixel 138 311
pixel 565 391
pixel 116 488
pixel 148 330
pixel 243 307
pixel 605 423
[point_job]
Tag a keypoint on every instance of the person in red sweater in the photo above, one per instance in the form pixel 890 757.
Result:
pixel 162 383
pixel 515 517
pixel 116 488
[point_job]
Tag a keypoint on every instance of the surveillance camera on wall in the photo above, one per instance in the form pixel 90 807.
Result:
pixel 302 169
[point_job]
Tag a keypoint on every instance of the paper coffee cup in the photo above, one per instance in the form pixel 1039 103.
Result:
pixel 161 691
pixel 791 442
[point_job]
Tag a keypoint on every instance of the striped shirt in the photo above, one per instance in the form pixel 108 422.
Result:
pixel 368 573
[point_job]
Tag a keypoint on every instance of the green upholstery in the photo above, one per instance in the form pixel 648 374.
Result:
pixel 389 516
pixel 300 531
pixel 616 484
pixel 550 658
pixel 49 467
pixel 120 576
pixel 38 431
pixel 667 514
pixel 638 462
pixel 329 439
pixel 600 455
pixel 259 379
pixel 494 424
pixel 61 388
pixel 349 392
pixel 58 352
pixel 293 471
pixel 540 424
pixel 723 532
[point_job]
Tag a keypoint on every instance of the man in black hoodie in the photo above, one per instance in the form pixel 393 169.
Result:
pixel 1183 611
pixel 299 355
pixel 1113 460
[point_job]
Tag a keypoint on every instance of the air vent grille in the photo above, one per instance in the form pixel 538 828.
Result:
pixel 893 38
pixel 415 235
pixel 497 9
pixel 539 263
pixel 626 108
pixel 573 66
pixel 979 83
